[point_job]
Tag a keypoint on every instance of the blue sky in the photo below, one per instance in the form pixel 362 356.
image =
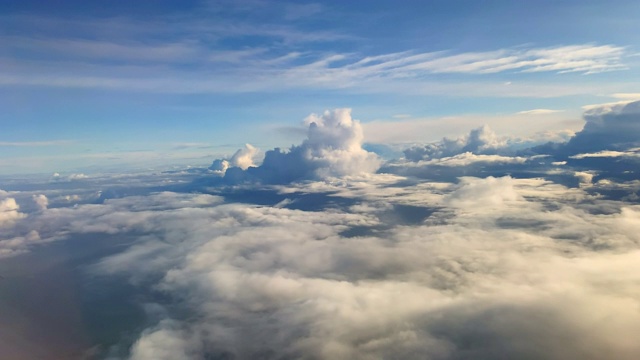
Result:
pixel 87 85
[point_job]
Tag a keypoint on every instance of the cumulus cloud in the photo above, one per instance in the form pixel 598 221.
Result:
pixel 606 147
pixel 610 130
pixel 243 159
pixel 483 193
pixel 72 177
pixel 479 141
pixel 585 178
pixel 41 201
pixel 333 148
pixel 608 127
pixel 9 212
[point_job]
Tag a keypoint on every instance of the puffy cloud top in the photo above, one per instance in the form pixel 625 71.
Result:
pixel 9 211
pixel 333 148
pixel 474 193
pixel 41 201
pixel 243 159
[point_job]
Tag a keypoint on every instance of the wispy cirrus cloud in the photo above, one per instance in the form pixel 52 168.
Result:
pixel 262 69
pixel 538 111
pixel 587 59
pixel 192 53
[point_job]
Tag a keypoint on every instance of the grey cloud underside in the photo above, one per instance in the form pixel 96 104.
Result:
pixel 607 127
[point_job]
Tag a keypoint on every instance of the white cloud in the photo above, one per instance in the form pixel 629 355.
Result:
pixel 285 68
pixel 384 266
pixel 167 342
pixel 9 212
pixel 585 178
pixel 547 127
pixel 41 201
pixel 474 193
pixel 578 58
pixel 71 177
pixel 539 111
pixel 479 141
pixel 608 154
pixel 494 265
pixel 333 147
pixel 469 158
pixel 627 96
pixel 243 159
pixel 284 282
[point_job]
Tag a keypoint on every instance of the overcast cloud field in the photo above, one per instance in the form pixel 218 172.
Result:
pixel 294 180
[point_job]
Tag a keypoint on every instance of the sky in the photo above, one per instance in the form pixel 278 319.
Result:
pixel 86 85
pixel 440 180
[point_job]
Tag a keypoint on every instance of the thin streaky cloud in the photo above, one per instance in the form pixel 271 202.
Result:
pixel 539 111
pixel 626 96
pixel 259 69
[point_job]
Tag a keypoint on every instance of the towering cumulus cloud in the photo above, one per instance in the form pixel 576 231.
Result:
pixel 333 148
pixel 614 126
pixel 607 127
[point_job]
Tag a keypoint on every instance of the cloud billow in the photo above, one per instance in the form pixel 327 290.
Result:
pixel 333 148
pixel 243 159
pixel 609 127
pixel 482 140
pixel 607 148
pixel 490 281
pixel 613 127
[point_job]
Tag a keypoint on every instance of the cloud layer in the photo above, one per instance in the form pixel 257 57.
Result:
pixel 461 251
pixel 519 268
